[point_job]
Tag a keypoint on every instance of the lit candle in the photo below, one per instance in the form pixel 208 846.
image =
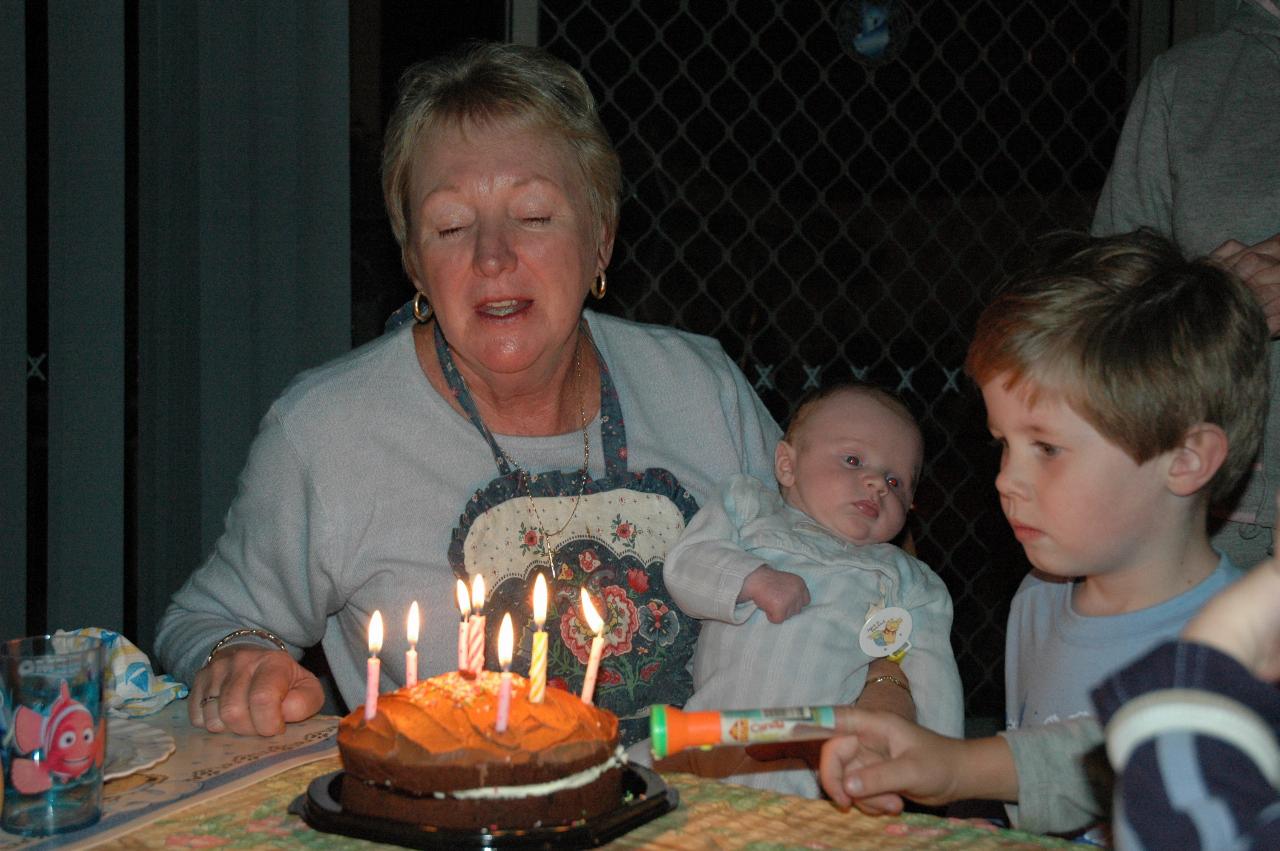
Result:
pixel 505 642
pixel 538 664
pixel 475 635
pixel 597 645
pixel 411 655
pixel 464 607
pixel 371 673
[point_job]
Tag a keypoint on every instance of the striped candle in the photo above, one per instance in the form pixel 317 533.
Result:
pixel 475 635
pixel 464 606
pixel 475 644
pixel 538 662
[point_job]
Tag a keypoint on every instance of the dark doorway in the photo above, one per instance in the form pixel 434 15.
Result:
pixel 388 36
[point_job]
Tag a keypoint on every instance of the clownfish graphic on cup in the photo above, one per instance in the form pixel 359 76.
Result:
pixel 67 741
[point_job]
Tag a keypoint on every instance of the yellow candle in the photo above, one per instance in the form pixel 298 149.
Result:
pixel 538 663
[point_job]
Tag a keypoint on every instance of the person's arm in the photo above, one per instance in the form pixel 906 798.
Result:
pixel 888 689
pixel 259 576
pixel 1192 735
pixel 930 663
pixel 1243 621
pixel 1192 727
pixel 1138 191
pixel 1063 782
pixel 881 758
pixel 706 571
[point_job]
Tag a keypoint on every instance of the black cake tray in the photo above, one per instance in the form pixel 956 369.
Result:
pixel 645 796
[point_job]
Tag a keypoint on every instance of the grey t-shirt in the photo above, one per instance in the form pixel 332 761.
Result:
pixel 361 471
pixel 1198 161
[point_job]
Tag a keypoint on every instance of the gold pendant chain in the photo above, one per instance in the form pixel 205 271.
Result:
pixel 525 478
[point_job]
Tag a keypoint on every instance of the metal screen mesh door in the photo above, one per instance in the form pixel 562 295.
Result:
pixel 832 188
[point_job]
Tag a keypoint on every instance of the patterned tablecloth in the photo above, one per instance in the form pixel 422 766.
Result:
pixel 232 792
pixel 711 815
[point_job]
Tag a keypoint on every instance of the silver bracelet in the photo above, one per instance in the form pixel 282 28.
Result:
pixel 244 632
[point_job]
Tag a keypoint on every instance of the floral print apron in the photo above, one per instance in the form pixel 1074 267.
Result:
pixel 614 545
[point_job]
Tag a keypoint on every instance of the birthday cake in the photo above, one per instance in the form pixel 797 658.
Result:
pixel 432 755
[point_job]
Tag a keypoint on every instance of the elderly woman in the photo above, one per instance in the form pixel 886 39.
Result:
pixel 506 432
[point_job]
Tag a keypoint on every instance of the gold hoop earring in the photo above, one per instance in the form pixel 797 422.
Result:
pixel 599 285
pixel 418 313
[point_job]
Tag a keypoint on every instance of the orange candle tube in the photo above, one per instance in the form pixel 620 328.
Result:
pixel 672 730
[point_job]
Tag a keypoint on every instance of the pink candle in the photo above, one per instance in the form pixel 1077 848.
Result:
pixel 505 642
pixel 538 662
pixel 372 670
pixel 464 607
pixel 411 655
pixel 475 635
pixel 596 623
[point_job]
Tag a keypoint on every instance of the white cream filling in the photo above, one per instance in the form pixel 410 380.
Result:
pixel 573 781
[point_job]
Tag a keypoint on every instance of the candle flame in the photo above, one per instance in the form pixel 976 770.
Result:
pixel 540 600
pixel 477 593
pixel 589 612
pixel 506 640
pixel 413 623
pixel 375 633
pixel 464 599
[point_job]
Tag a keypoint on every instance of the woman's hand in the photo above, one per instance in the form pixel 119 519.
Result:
pixel 252 690
pixel 778 594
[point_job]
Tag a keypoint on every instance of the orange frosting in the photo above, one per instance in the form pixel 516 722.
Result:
pixel 422 735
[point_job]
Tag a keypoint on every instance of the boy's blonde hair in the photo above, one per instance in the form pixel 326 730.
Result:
pixel 1141 342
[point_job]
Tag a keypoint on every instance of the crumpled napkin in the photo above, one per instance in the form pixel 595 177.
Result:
pixel 131 688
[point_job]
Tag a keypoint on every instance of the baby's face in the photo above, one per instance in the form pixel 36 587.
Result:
pixel 852 467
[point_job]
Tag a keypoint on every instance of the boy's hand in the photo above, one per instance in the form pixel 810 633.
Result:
pixel 885 759
pixel 777 593
pixel 1243 621
pixel 1258 266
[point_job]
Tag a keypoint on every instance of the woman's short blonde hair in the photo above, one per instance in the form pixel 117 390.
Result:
pixel 488 81
pixel 1139 341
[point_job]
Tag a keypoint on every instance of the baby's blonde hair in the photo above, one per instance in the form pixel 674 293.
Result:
pixel 808 402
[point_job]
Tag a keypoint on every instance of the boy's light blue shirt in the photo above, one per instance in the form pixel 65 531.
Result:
pixel 1054 658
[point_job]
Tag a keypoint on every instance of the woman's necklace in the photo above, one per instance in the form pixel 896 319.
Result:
pixel 548 538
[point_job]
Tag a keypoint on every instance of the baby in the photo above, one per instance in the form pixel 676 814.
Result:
pixel 800 590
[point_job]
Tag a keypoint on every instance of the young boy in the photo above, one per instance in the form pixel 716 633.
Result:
pixel 800 591
pixel 1126 387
